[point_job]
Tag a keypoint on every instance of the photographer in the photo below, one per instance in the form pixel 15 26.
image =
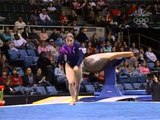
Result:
pixel 153 87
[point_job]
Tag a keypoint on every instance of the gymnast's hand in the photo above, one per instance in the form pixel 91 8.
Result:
pixel 75 68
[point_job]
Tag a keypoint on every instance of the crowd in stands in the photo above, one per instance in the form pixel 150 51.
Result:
pixel 22 76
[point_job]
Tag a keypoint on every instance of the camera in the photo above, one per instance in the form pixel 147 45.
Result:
pixel 152 74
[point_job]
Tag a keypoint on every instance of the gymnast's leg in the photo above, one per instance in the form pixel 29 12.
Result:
pixel 78 74
pixel 70 74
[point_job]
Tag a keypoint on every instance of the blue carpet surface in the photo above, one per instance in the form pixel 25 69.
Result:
pixel 84 111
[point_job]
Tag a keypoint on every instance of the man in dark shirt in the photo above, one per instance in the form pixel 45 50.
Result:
pixel 153 87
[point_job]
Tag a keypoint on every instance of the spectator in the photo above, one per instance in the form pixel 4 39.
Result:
pixel 40 78
pixel 150 56
pixel 43 35
pixel 15 31
pixel 17 82
pixel 73 17
pixel 34 37
pixel 50 7
pixel 47 68
pixel 82 37
pixel 153 87
pixel 29 78
pixel 64 18
pixel 4 64
pixel 16 79
pixel 6 35
pixel 5 80
pixel 19 43
pixel 34 17
pixel 43 48
pixel 44 18
pixel 20 24
pixel 26 33
pixel 61 80
pixel 54 35
pixel 144 70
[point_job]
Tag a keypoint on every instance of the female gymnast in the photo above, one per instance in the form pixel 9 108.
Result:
pixel 71 56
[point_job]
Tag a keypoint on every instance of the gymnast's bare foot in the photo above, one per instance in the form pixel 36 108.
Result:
pixel 73 102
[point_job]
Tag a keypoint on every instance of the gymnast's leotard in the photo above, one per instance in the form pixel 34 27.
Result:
pixel 72 55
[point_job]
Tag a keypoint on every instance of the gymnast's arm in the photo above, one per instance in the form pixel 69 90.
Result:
pixel 61 58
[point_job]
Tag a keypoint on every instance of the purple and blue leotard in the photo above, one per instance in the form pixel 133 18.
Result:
pixel 72 55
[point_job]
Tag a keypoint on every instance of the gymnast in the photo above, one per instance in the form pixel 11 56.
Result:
pixel 71 56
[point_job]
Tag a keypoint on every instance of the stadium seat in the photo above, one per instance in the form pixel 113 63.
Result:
pixel 128 86
pixel 22 54
pixel 13 56
pixel 31 53
pixel 90 88
pixel 136 86
pixel 30 61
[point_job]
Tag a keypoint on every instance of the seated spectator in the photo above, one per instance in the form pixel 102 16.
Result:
pixel 83 48
pixel 43 35
pixel 77 6
pixel 150 56
pixel 51 47
pixel 4 77
pixel 141 55
pixel 15 31
pixel 60 75
pixel 81 36
pixel 44 18
pixel 40 78
pixel 4 64
pixel 47 67
pixel 91 16
pixel 29 78
pixel 100 4
pixel 64 18
pixel 135 70
pixel 156 66
pixel 34 37
pixel 53 35
pixel 107 47
pixel 73 17
pixel 144 70
pixel 42 47
pixel 19 43
pixel 5 80
pixel 17 82
pixel 135 49
pixel 50 7
pixel 6 35
pixel 61 80
pixel 16 79
pixel 31 43
pixel 20 24
pixel 34 17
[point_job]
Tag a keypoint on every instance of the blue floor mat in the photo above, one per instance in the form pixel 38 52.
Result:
pixel 84 111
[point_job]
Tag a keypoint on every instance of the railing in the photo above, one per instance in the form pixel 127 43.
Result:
pixel 144 41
